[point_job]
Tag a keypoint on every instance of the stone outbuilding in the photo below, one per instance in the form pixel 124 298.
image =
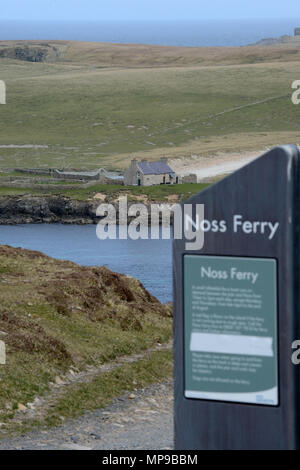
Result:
pixel 191 178
pixel 146 173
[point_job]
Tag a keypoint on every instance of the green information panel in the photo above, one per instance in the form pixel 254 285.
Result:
pixel 230 324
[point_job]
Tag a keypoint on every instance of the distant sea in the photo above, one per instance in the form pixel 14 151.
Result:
pixel 175 33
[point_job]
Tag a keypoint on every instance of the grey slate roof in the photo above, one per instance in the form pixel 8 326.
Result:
pixel 155 168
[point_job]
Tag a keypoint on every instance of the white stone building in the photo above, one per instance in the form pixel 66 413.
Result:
pixel 146 173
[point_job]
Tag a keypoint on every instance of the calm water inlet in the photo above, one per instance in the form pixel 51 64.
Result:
pixel 150 261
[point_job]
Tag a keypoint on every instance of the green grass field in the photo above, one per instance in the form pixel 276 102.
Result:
pixel 86 117
pixel 112 191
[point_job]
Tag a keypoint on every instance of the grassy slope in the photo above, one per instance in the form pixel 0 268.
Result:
pixel 113 191
pixel 98 393
pixel 101 113
pixel 57 315
pixel 138 55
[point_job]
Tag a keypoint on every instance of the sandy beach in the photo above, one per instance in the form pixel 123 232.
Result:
pixel 220 164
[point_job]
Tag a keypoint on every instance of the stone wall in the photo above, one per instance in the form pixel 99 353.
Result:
pixel 191 178
pixel 149 180
pixel 35 171
pixel 100 176
pixel 76 175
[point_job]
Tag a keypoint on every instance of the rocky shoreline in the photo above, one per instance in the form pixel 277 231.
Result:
pixel 46 209
pixel 52 209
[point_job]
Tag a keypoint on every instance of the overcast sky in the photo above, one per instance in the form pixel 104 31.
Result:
pixel 147 9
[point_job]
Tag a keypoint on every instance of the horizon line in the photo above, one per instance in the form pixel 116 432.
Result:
pixel 136 20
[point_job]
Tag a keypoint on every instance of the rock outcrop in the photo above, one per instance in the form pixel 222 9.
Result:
pixel 31 51
pixel 46 209
pixel 30 209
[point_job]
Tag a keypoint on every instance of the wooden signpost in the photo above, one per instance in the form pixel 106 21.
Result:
pixel 237 312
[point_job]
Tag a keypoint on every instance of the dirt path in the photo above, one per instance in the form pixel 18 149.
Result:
pixel 142 421
pixel 134 421
pixel 38 408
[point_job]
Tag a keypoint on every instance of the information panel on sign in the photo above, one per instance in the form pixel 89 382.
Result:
pixel 230 324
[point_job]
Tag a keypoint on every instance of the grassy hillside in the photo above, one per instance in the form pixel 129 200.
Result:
pixel 57 317
pixel 139 55
pixel 98 104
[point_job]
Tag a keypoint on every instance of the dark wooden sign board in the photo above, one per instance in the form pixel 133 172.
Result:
pixel 236 312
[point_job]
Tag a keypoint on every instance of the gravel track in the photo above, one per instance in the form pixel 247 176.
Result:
pixel 143 420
